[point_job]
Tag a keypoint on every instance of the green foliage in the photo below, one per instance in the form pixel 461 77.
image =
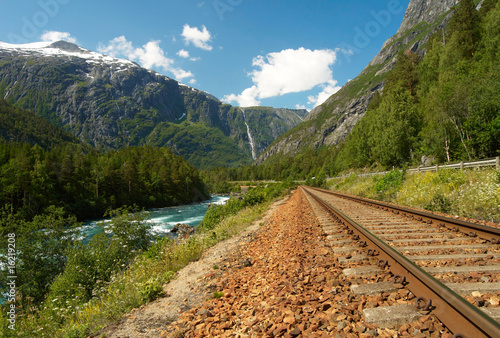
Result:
pixel 405 74
pixel 216 213
pixel 439 203
pixel 464 28
pixel 129 228
pixel 78 331
pixel 41 247
pixel 393 129
pixel 487 6
pixel 218 294
pixel 17 125
pixel 467 193
pixel 90 267
pixel 390 183
pixel 150 290
pixel 317 181
pixel 89 183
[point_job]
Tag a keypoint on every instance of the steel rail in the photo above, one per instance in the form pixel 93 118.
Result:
pixel 471 229
pixel 458 315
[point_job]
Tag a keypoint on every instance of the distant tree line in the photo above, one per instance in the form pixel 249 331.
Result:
pixel 87 183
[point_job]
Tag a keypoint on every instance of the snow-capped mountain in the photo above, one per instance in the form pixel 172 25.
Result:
pixel 64 48
pixel 110 103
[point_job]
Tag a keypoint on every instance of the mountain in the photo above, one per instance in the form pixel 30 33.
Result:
pixel 18 125
pixel 331 122
pixel 111 103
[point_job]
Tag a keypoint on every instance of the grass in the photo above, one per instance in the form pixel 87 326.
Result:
pixel 218 294
pixel 140 283
pixel 466 193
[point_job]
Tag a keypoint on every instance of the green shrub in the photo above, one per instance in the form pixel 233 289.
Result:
pixel 78 331
pixel 150 290
pixel 389 184
pixel 439 203
pixel 253 197
pixel 90 267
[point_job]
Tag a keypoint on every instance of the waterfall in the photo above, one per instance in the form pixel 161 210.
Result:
pixel 250 138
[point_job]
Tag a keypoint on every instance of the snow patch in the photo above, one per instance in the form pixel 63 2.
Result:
pixel 45 49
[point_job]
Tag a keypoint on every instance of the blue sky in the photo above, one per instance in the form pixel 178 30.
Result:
pixel 291 54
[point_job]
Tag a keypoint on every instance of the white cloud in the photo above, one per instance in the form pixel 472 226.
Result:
pixel 149 55
pixel 248 98
pixel 57 36
pixel 180 74
pixel 329 89
pixel 199 38
pixel 183 53
pixel 289 71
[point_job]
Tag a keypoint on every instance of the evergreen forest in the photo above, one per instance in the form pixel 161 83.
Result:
pixel 88 183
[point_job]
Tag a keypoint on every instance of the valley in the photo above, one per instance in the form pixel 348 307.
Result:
pixel 106 134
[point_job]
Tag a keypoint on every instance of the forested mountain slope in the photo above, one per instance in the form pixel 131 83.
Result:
pixel 440 106
pixel 18 125
pixel 331 122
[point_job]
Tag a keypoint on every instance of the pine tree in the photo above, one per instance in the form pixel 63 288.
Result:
pixel 465 27
pixel 487 6
pixel 404 74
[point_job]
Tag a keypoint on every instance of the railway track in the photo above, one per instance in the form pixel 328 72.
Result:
pixel 430 265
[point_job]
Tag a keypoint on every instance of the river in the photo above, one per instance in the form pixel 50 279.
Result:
pixel 163 219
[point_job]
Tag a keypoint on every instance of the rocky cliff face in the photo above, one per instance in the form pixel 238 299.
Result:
pixel 111 103
pixel 424 11
pixel 331 122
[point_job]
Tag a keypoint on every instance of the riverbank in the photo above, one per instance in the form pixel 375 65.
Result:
pixel 191 285
pixel 161 220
